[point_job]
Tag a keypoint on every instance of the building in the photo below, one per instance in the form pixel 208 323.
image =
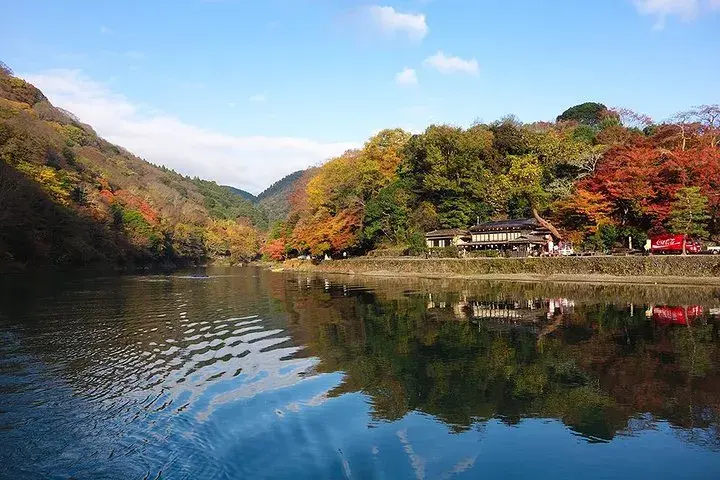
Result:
pixel 521 237
pixel 446 238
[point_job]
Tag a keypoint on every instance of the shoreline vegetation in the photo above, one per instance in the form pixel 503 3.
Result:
pixel 653 270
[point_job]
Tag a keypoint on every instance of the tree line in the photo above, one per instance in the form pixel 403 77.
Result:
pixel 593 176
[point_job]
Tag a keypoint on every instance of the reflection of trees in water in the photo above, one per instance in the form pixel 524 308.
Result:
pixel 473 351
pixel 595 367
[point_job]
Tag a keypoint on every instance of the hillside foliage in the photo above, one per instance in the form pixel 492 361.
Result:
pixel 596 176
pixel 70 198
pixel 275 200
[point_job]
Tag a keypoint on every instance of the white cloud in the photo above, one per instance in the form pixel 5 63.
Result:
pixel 447 64
pixel 258 98
pixel 391 22
pixel 684 9
pixel 248 162
pixel 104 29
pixel 406 77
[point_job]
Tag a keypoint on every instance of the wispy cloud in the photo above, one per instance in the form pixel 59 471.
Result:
pixel 191 150
pixel 407 77
pixel 447 64
pixel 258 98
pixel 134 54
pixel 684 9
pixel 104 29
pixel 391 21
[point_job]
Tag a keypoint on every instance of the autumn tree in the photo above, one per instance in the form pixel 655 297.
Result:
pixel 275 249
pixel 238 242
pixel 330 214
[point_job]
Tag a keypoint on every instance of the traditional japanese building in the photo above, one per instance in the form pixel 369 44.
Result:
pixel 519 237
pixel 447 237
pixel 522 236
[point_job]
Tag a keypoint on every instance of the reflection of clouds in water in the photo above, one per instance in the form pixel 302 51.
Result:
pixel 417 462
pixel 462 466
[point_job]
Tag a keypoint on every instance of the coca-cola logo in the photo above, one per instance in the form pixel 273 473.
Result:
pixel 666 242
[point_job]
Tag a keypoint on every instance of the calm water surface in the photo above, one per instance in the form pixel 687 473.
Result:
pixel 245 373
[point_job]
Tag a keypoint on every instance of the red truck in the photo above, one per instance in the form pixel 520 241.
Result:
pixel 671 243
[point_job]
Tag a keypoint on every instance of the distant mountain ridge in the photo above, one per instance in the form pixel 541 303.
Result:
pixel 246 195
pixel 274 201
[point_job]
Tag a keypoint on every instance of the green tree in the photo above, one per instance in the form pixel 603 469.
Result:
pixel 526 179
pixel 386 216
pixel 588 113
pixel 688 214
pixel 448 167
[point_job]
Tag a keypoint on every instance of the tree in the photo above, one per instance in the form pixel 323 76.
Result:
pixel 585 210
pixel 447 166
pixel 709 117
pixel 275 249
pixel 688 215
pixel 386 216
pixel 589 113
pixel 525 176
pixel 236 241
pixel 508 138
pixel 688 126
pixel 631 119
pixel 328 216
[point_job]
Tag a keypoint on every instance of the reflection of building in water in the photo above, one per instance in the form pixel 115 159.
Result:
pixel 514 310
pixel 532 310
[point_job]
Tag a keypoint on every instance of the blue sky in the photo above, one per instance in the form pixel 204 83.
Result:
pixel 244 91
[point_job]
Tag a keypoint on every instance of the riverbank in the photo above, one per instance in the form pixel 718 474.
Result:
pixel 668 270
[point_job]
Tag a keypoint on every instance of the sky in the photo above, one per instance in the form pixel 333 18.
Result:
pixel 244 92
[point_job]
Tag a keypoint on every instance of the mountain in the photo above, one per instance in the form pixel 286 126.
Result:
pixel 246 195
pixel 275 200
pixel 70 198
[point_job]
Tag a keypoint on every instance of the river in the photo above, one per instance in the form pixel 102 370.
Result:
pixel 246 373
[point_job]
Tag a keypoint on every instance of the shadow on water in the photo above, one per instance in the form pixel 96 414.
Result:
pixel 211 373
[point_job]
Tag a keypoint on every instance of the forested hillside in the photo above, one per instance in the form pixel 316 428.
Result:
pixel 594 176
pixel 68 197
pixel 275 200
pixel 246 195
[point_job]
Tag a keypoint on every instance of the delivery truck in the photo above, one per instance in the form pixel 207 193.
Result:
pixel 673 244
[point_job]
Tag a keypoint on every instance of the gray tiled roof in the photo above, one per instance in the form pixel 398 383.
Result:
pixel 448 232
pixel 521 223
